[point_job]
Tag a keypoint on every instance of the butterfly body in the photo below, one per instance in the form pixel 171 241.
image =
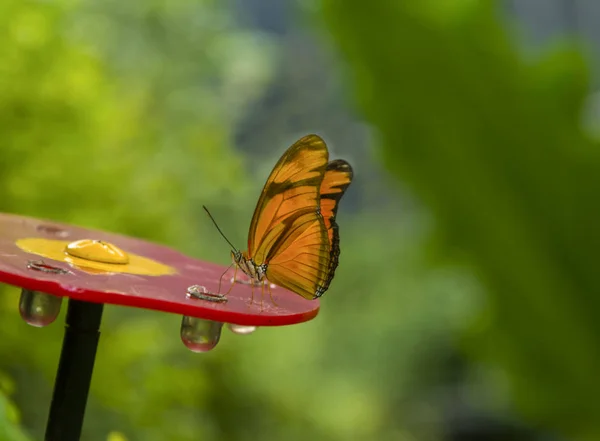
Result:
pixel 256 273
pixel 294 239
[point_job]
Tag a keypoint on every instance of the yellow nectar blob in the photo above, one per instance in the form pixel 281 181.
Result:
pixel 98 251
pixel 94 256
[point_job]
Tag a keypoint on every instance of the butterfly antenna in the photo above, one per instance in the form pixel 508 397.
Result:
pixel 215 222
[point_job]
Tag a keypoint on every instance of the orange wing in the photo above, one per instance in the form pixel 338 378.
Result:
pixel 292 187
pixel 301 260
pixel 338 176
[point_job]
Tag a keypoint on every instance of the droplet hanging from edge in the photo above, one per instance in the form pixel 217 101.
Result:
pixel 39 309
pixel 241 329
pixel 200 335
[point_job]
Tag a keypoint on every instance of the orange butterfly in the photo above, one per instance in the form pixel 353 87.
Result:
pixel 293 239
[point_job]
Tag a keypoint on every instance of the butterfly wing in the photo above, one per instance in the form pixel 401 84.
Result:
pixel 293 230
pixel 299 258
pixel 338 176
pixel 292 187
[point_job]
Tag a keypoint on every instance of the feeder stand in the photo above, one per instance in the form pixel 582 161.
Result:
pixel 49 260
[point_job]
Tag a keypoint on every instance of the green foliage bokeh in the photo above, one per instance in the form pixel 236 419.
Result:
pixel 494 144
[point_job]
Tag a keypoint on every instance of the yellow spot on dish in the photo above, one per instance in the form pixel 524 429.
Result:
pixel 90 256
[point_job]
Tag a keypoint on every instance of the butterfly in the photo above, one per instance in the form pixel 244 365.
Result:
pixel 294 239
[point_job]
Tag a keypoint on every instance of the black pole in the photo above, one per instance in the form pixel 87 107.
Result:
pixel 74 375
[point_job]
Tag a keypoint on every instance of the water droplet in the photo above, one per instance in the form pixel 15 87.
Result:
pixel 200 335
pixel 39 309
pixel 241 329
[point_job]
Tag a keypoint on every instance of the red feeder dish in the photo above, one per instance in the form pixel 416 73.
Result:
pixel 49 260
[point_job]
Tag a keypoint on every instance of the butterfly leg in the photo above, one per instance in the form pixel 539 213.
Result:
pixel 271 294
pixel 251 295
pixel 262 294
pixel 223 275
pixel 232 282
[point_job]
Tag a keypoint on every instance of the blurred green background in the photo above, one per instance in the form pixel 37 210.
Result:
pixel 465 304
